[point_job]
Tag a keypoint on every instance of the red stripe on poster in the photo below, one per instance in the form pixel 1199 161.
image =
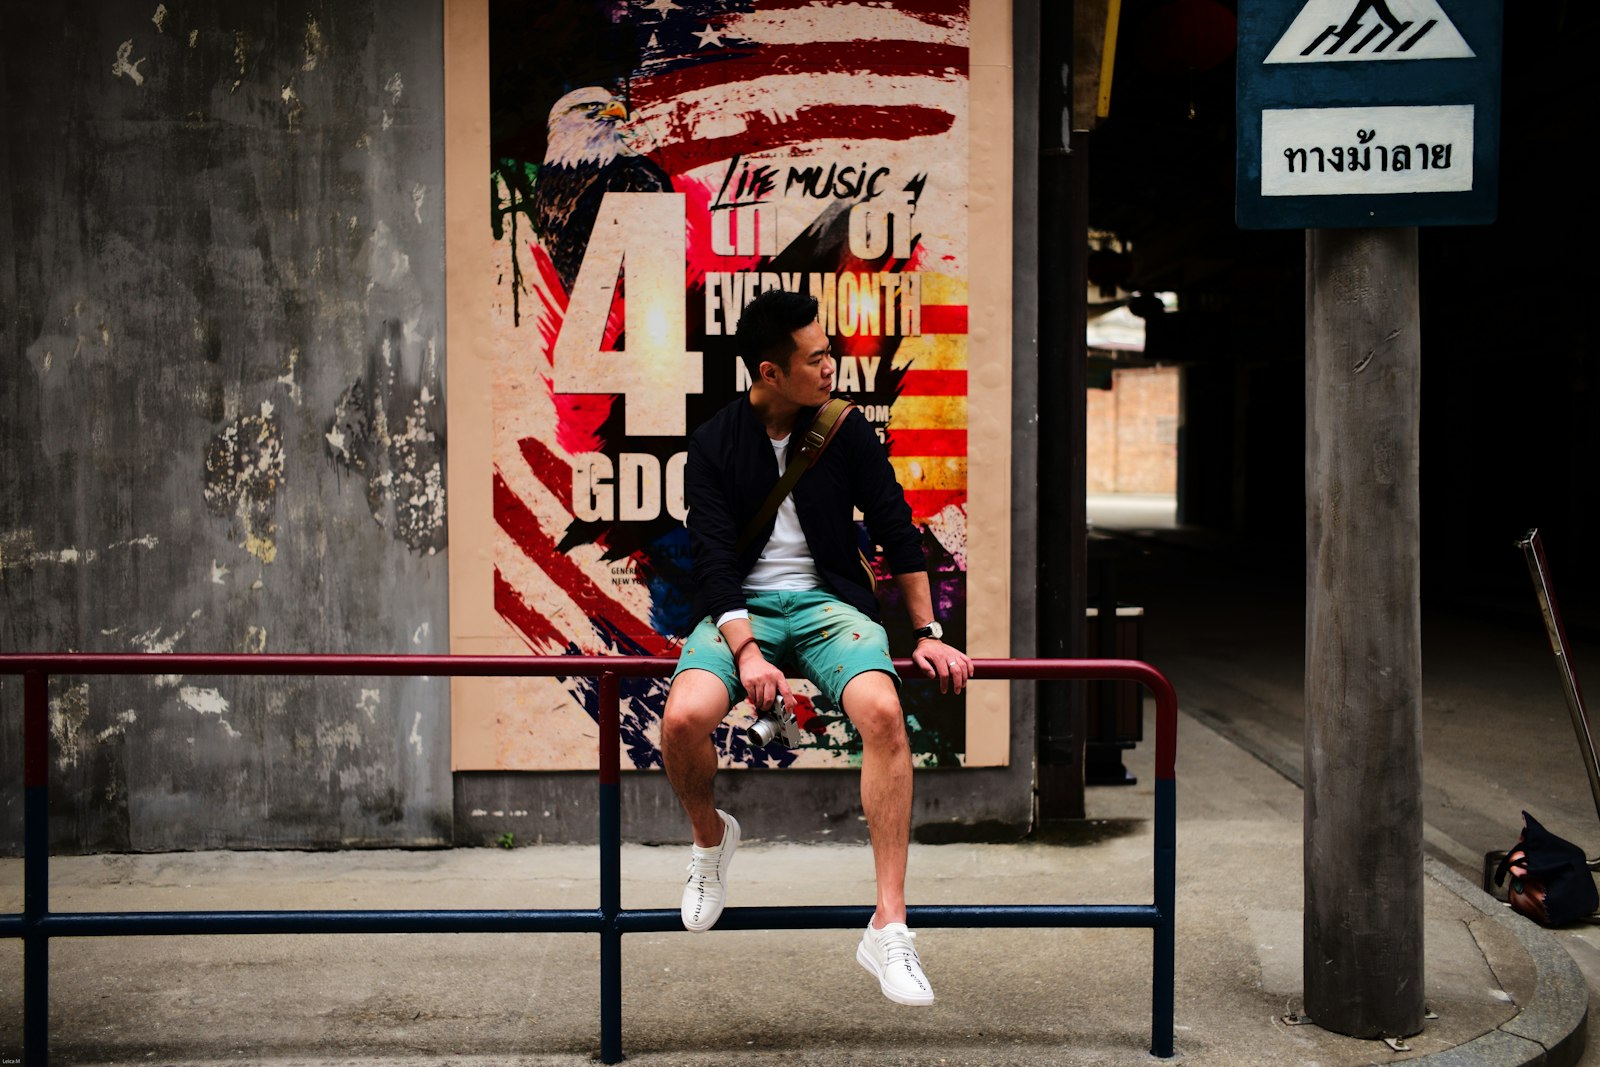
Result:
pixel 554 472
pixel 934 383
pixel 944 318
pixel 927 442
pixel 538 631
pixel 517 521
pixel 926 503
pixel 682 151
pixel 901 59
pixel 953 10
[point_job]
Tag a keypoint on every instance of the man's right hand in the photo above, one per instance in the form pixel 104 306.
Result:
pixel 761 680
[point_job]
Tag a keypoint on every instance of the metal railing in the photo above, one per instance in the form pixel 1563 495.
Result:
pixel 36 924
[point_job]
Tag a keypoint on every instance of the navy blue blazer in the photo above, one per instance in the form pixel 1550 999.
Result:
pixel 730 470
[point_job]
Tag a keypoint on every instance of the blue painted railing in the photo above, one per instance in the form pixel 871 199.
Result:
pixel 36 924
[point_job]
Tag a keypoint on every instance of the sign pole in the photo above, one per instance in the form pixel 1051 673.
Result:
pixel 1363 735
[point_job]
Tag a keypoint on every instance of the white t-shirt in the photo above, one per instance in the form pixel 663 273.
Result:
pixel 785 563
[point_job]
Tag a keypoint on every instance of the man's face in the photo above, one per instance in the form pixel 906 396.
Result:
pixel 808 381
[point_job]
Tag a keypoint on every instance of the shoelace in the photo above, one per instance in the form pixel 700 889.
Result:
pixel 704 867
pixel 897 946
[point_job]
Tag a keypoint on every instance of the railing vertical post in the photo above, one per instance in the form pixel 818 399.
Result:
pixel 1163 964
pixel 36 868
pixel 610 872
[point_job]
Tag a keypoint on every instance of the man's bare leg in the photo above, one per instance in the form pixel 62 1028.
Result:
pixel 873 704
pixel 696 703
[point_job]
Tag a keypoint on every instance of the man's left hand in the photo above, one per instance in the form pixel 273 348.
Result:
pixel 948 664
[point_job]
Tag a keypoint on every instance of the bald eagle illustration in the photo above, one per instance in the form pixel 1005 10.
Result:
pixel 585 158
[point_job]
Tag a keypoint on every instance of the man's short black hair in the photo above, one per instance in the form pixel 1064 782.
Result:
pixel 767 326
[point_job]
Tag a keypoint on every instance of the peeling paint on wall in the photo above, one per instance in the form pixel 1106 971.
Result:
pixel 153 642
pixel 123 67
pixel 314 45
pixel 208 702
pixel 404 467
pixel 11 557
pixel 388 263
pixel 394 87
pixel 68 714
pixel 293 108
pixel 118 728
pixel 205 701
pixel 289 379
pixel 334 743
pixel 243 472
pixel 17 549
pixel 241 52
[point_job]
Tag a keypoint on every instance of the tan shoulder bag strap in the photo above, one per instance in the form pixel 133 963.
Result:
pixel 816 438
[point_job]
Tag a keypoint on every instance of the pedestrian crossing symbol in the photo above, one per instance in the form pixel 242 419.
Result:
pixel 1352 31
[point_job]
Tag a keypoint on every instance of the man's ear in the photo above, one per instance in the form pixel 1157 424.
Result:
pixel 769 372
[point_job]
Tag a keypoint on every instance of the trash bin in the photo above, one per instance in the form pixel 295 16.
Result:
pixel 1114 721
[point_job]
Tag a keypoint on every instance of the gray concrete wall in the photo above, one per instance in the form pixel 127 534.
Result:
pixel 222 413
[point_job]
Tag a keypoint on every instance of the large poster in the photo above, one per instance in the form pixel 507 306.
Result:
pixel 651 167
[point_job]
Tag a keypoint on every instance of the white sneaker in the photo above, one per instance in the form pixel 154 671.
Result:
pixel 707 887
pixel 889 954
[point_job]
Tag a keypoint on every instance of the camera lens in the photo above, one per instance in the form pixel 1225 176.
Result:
pixel 761 734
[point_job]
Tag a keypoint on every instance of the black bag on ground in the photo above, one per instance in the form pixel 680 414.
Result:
pixel 1550 879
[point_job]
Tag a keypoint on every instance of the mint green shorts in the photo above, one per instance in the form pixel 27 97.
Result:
pixel 812 634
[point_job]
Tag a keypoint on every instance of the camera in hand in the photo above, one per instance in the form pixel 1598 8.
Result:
pixel 776 724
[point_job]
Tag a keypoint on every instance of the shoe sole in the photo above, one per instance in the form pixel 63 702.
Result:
pixel 864 958
pixel 727 861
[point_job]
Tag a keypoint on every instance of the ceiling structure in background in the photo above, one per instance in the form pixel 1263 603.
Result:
pixel 1161 164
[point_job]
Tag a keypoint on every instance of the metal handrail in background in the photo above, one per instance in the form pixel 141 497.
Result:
pixel 35 925
pixel 1539 570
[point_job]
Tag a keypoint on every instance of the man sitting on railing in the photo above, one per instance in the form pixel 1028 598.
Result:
pixel 799 594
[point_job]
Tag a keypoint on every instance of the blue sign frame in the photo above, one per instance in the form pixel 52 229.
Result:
pixel 1360 98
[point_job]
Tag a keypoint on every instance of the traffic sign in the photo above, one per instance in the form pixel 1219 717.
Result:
pixel 1367 113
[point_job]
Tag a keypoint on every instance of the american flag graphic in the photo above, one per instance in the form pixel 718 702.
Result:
pixel 781 115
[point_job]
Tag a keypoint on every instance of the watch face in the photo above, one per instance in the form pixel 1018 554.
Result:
pixel 933 630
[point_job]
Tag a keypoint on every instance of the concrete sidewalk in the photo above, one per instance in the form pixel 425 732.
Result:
pixel 1503 990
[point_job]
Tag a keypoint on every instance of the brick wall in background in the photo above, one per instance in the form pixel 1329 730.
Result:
pixel 1133 432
